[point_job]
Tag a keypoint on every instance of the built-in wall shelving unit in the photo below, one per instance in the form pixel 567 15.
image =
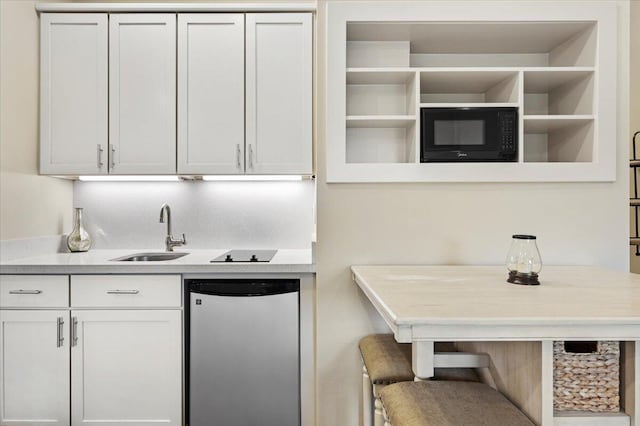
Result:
pixel 557 67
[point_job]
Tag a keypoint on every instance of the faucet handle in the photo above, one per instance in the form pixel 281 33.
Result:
pixel 184 240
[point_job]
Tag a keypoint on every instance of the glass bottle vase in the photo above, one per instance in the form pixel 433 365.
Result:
pixel 79 239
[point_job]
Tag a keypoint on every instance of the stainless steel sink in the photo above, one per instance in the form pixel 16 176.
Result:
pixel 150 257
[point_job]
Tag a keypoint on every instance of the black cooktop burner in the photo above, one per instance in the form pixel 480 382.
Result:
pixel 246 256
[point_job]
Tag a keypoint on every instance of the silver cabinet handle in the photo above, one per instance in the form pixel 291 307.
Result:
pixel 251 156
pixel 100 151
pixel 74 331
pixel 60 333
pixel 125 291
pixel 25 291
pixel 238 156
pixel 113 156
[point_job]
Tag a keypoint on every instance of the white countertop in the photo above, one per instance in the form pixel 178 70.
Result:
pixel 197 261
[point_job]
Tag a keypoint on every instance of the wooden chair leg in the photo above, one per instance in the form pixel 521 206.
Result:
pixel 366 399
pixel 378 416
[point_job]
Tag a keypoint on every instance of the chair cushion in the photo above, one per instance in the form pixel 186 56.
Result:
pixel 445 403
pixel 386 360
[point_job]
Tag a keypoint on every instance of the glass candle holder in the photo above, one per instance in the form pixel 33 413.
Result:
pixel 523 260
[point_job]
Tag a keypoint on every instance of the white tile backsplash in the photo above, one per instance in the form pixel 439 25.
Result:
pixel 211 214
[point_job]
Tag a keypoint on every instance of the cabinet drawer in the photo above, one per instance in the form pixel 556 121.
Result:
pixel 34 291
pixel 116 291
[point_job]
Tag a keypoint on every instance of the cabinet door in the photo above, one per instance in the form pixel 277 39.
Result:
pixel 211 93
pixel 34 368
pixel 73 93
pixel 126 367
pixel 142 93
pixel 279 93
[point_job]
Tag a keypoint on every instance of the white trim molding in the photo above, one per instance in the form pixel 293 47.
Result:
pixel 176 7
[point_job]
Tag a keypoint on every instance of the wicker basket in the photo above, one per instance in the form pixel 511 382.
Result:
pixel 587 381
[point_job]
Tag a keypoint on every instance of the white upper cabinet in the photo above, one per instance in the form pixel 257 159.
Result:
pixel 142 93
pixel 127 94
pixel 211 93
pixel 279 93
pixel 34 372
pixel 73 93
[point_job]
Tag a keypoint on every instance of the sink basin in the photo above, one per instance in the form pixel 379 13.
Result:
pixel 150 257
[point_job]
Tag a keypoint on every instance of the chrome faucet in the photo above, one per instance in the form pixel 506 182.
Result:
pixel 169 242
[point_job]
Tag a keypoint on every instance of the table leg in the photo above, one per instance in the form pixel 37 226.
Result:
pixel 631 370
pixel 422 358
pixel 546 382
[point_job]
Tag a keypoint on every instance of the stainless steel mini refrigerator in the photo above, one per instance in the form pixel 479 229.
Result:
pixel 243 352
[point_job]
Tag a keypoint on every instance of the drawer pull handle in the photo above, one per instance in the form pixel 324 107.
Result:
pixel 74 331
pixel 123 291
pixel 25 291
pixel 60 333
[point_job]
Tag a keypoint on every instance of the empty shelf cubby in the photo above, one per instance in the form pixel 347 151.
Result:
pixel 466 86
pixel 381 93
pixel 471 44
pixel 558 139
pixel 381 144
pixel 555 92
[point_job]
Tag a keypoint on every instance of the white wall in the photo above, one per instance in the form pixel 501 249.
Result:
pixel 447 224
pixel 30 205
pixel 212 214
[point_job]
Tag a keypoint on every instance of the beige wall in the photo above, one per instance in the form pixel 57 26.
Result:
pixel 430 223
pixel 30 205
pixel 635 101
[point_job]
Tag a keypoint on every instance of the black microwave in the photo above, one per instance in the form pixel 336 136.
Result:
pixel 468 134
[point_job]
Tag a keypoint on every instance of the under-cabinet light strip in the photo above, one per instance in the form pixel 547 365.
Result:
pixel 123 178
pixel 147 178
pixel 252 177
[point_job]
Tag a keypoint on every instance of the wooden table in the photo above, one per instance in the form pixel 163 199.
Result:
pixel 475 304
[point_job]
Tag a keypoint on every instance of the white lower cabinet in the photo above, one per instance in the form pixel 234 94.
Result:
pixel 126 367
pixel 91 362
pixel 34 367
